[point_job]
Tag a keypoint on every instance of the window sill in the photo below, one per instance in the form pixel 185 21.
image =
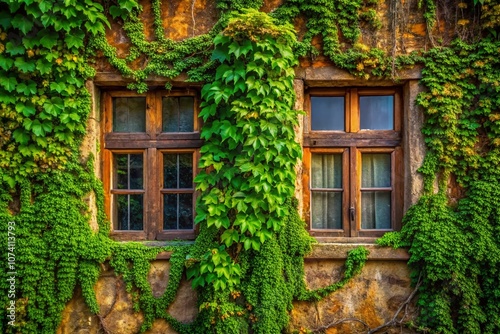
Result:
pixel 338 249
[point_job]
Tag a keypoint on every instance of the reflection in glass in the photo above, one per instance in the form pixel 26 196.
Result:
pixel 129 211
pixel 327 113
pixel 128 171
pixel 178 171
pixel 326 210
pixel 178 114
pixel 177 211
pixel 376 210
pixel 375 170
pixel 376 112
pixel 326 171
pixel 129 114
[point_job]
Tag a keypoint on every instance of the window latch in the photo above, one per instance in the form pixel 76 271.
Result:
pixel 351 213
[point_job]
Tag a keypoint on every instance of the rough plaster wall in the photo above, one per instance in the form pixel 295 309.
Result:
pixel 413 144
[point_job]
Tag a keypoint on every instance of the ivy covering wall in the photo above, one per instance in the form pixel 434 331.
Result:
pixel 251 239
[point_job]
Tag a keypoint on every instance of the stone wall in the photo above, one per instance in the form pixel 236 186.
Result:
pixel 367 301
pixel 370 299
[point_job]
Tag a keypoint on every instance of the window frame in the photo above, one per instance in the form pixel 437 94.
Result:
pixel 153 143
pixel 352 142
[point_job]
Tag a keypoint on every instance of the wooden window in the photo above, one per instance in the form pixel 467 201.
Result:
pixel 151 143
pixel 353 162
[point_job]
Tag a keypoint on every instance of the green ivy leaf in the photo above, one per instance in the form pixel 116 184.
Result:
pixel 116 11
pixel 14 49
pixel 48 40
pixel 5 19
pixel 43 66
pixel 23 65
pixel 27 89
pixel 21 136
pixel 75 39
pixel 6 63
pixel 22 23
pixel 9 84
pixel 25 109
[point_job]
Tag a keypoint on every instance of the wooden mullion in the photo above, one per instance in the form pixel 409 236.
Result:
pixel 345 193
pixel 354 110
pixel 177 191
pixel 377 188
pixel 151 172
pixel 355 179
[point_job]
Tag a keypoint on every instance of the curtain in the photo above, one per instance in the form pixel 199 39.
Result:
pixel 376 204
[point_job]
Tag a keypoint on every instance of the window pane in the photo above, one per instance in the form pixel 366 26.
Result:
pixel 128 171
pixel 326 171
pixel 129 114
pixel 326 210
pixel 178 114
pixel 376 210
pixel 128 212
pixel 178 211
pixel 327 113
pixel 376 170
pixel 178 171
pixel 185 211
pixel 376 112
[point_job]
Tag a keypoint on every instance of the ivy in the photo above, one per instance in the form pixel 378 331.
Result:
pixel 454 242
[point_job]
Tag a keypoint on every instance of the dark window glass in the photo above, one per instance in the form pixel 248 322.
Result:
pixel 178 171
pixel 129 114
pixel 129 211
pixel 178 114
pixel 376 112
pixel 177 211
pixel 327 113
pixel 128 171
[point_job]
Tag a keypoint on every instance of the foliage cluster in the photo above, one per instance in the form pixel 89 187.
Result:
pixel 250 279
pixel 455 248
pixel 249 255
pixel 54 246
pixel 44 103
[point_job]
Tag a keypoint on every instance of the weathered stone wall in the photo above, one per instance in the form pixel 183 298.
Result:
pixel 372 298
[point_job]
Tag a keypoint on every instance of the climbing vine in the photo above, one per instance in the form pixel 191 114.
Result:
pixel 247 262
pixel 453 235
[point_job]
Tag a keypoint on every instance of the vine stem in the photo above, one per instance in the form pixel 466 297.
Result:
pixel 192 15
pixel 389 323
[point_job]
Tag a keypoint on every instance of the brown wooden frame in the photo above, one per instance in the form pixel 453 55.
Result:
pixel 152 143
pixel 352 143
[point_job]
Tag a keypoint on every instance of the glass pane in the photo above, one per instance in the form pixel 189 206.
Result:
pixel 375 170
pixel 128 212
pixel 129 114
pixel 178 211
pixel 178 114
pixel 185 211
pixel 170 170
pixel 326 210
pixel 327 113
pixel 376 112
pixel 376 210
pixel 120 171
pixel 178 171
pixel 170 211
pixel 326 171
pixel 128 171
pixel 185 171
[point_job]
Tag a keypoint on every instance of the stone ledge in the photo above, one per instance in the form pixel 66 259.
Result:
pixel 338 251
